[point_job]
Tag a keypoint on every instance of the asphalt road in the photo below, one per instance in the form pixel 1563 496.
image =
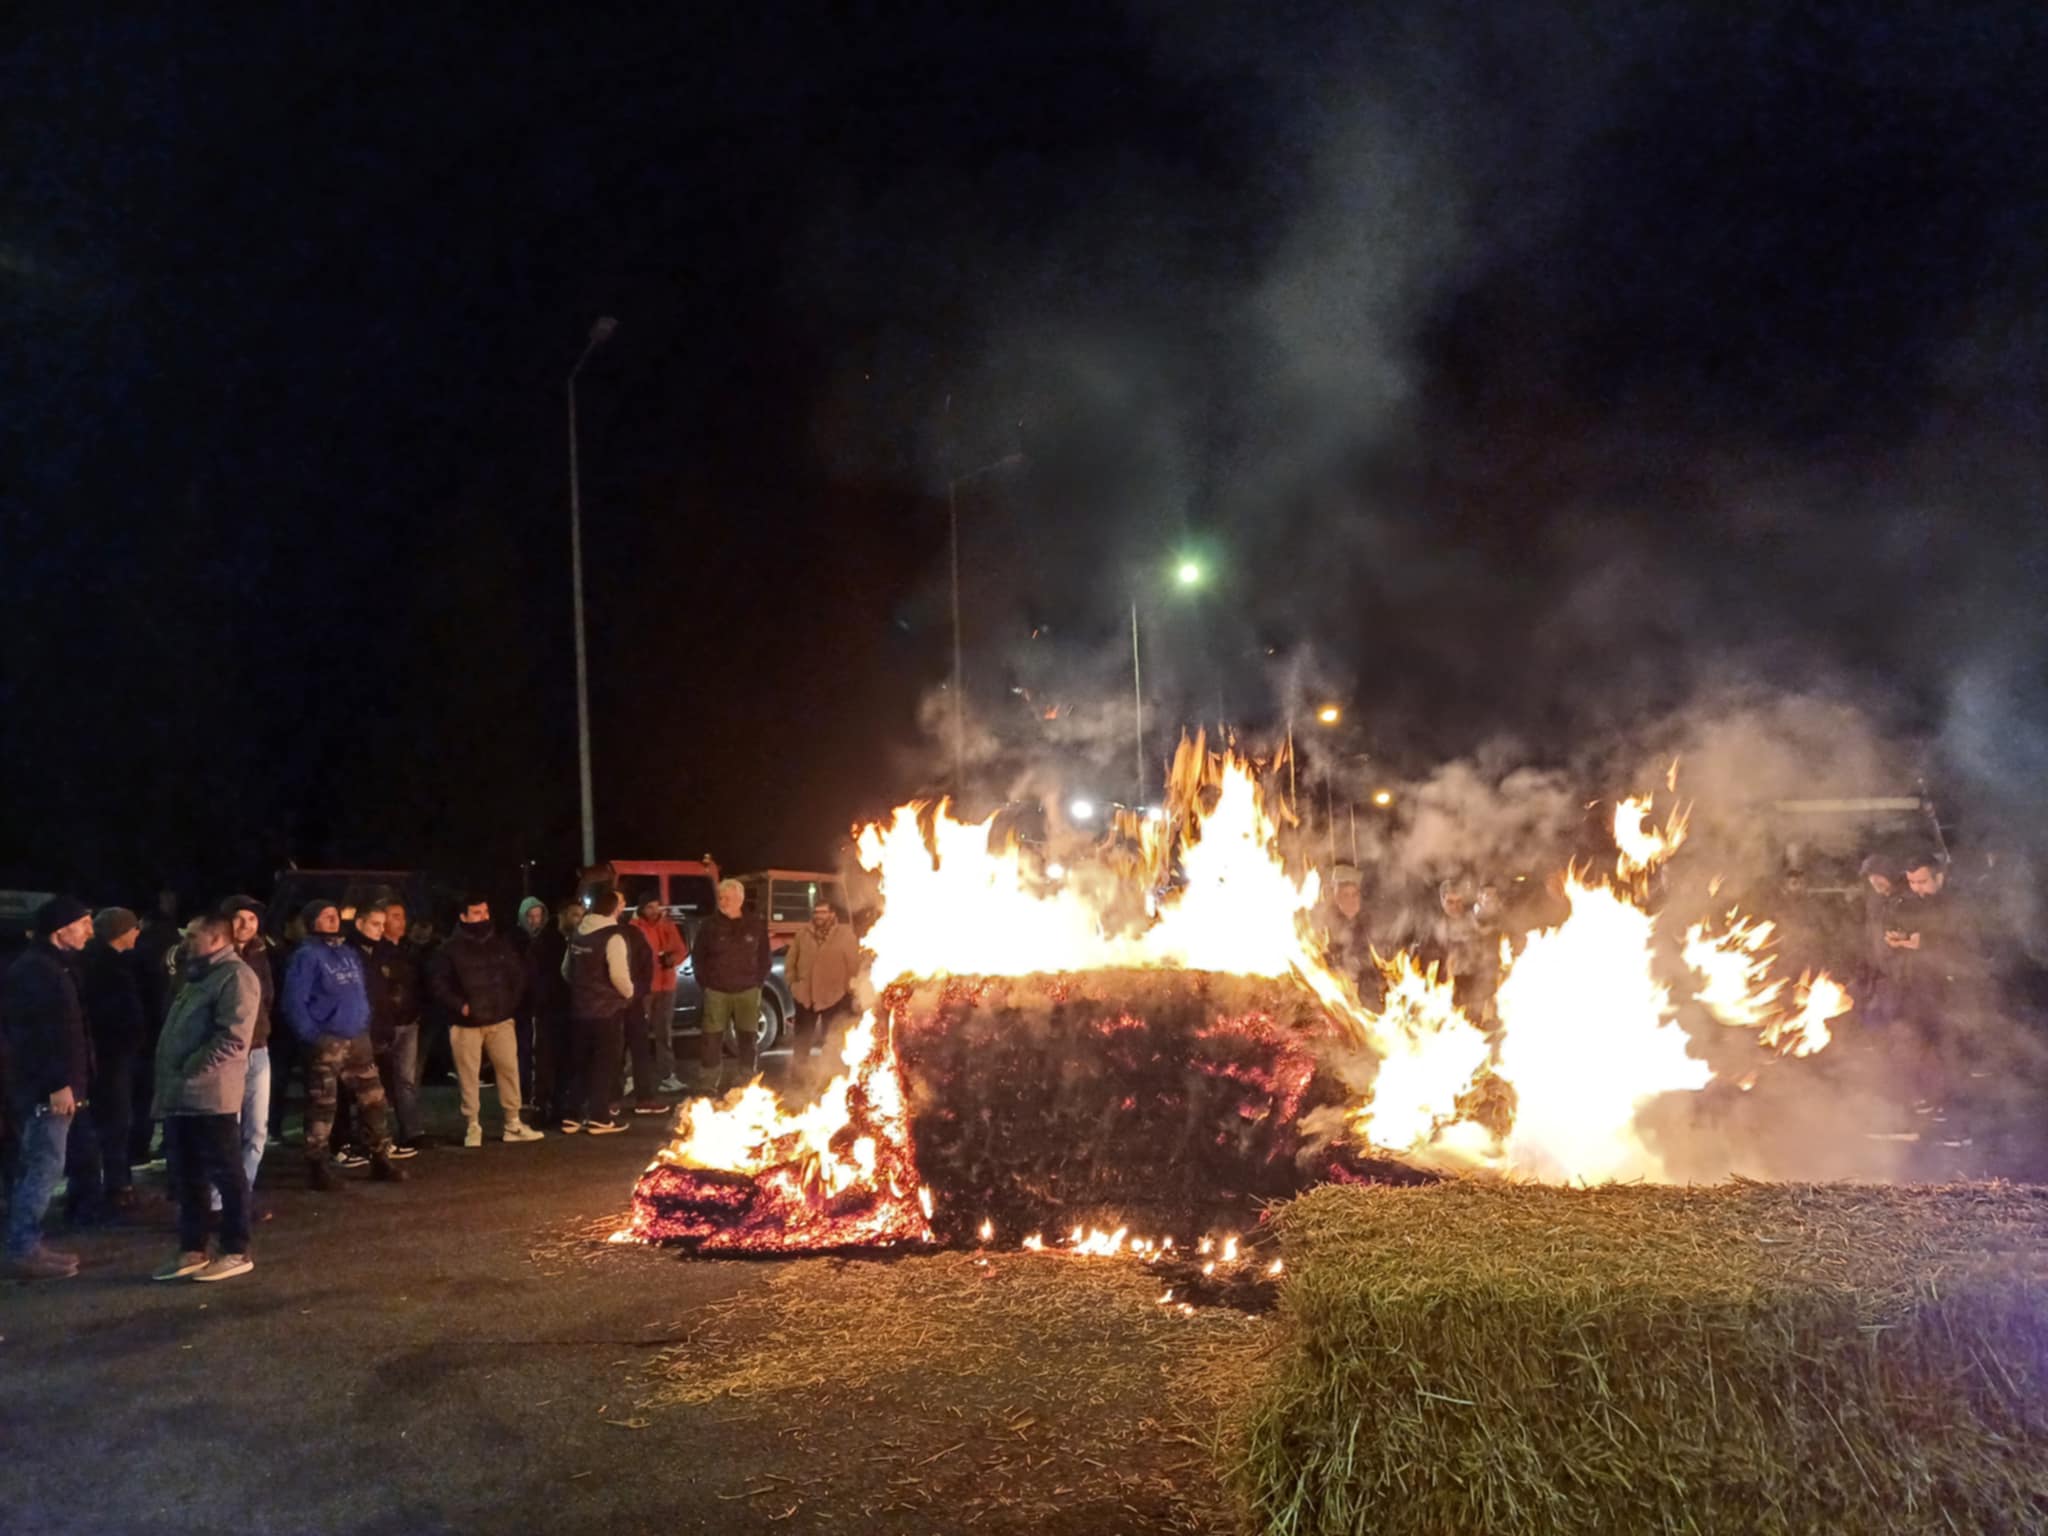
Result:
pixel 457 1354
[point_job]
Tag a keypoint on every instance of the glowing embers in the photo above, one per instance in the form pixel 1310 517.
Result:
pixel 746 1174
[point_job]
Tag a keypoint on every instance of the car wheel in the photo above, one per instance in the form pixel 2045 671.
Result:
pixel 771 1020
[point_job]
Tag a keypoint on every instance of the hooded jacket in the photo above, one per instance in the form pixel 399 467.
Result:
pixel 598 968
pixel 324 992
pixel 663 938
pixel 202 1057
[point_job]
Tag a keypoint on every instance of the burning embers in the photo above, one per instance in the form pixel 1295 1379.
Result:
pixel 1157 1042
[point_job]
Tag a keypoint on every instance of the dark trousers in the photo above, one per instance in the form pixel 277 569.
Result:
pixel 85 1185
pixel 523 1033
pixel 208 1156
pixel 599 1044
pixel 285 1052
pixel 554 1067
pixel 816 1027
pixel 141 1099
pixel 113 1115
pixel 641 1042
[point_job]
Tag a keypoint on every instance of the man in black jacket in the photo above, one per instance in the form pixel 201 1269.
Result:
pixel 156 961
pixel 732 958
pixel 399 964
pixel 600 979
pixel 479 978
pixel 48 1057
pixel 112 997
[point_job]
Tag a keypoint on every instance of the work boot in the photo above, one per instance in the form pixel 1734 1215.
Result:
pixel 381 1167
pixel 320 1174
pixel 749 1056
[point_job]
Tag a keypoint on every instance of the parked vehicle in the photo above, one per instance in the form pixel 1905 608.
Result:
pixel 785 898
pixel 686 887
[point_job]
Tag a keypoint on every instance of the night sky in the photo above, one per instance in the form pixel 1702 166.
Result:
pixel 1514 376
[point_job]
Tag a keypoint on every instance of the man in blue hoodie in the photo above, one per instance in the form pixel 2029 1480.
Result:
pixel 326 1001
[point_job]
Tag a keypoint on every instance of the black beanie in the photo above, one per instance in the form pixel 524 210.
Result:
pixel 59 912
pixel 310 912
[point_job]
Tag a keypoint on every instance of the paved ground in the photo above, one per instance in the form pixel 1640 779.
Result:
pixel 456 1354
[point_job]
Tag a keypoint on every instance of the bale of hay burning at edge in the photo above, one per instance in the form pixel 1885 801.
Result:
pixel 1758 1359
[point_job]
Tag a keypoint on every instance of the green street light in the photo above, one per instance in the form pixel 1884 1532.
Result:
pixel 1189 573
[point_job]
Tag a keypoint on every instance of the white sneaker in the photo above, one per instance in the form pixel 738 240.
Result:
pixel 671 1084
pixel 519 1130
pixel 474 1136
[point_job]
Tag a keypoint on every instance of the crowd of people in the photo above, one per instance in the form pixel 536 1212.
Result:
pixel 124 1040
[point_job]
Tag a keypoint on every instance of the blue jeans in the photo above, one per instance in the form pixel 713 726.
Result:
pixel 38 1167
pixel 402 1083
pixel 255 1112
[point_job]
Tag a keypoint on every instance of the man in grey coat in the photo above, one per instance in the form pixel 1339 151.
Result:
pixel 202 1063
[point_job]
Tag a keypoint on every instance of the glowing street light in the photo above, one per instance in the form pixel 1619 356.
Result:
pixel 1082 810
pixel 1383 797
pixel 1329 714
pixel 1189 573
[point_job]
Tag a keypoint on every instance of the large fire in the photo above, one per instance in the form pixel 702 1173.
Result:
pixel 1583 1030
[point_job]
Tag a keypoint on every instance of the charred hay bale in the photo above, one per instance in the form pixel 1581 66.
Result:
pixel 1744 1359
pixel 1149 1097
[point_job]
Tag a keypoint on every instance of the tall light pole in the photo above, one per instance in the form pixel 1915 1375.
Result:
pixel 959 682
pixel 600 333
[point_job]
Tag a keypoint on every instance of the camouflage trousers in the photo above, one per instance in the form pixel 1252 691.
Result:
pixel 332 1062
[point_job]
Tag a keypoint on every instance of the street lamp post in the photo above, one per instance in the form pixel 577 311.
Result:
pixel 600 333
pixel 959 683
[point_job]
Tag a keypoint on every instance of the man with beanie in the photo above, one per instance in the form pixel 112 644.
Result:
pixel 326 1001
pixel 245 913
pixel 202 1058
pixel 112 996
pixel 478 977
pixel 600 977
pixel 366 937
pixel 48 1058
pixel 666 940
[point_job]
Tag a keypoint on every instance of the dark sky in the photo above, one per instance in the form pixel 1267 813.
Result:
pixel 1513 373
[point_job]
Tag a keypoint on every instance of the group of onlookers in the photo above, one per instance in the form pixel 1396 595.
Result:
pixel 113 1026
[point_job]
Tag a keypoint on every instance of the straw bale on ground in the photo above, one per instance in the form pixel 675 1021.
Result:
pixel 1744 1358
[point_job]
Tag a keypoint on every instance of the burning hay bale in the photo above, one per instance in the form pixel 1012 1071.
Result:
pixel 1163 1099
pixel 1745 1358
